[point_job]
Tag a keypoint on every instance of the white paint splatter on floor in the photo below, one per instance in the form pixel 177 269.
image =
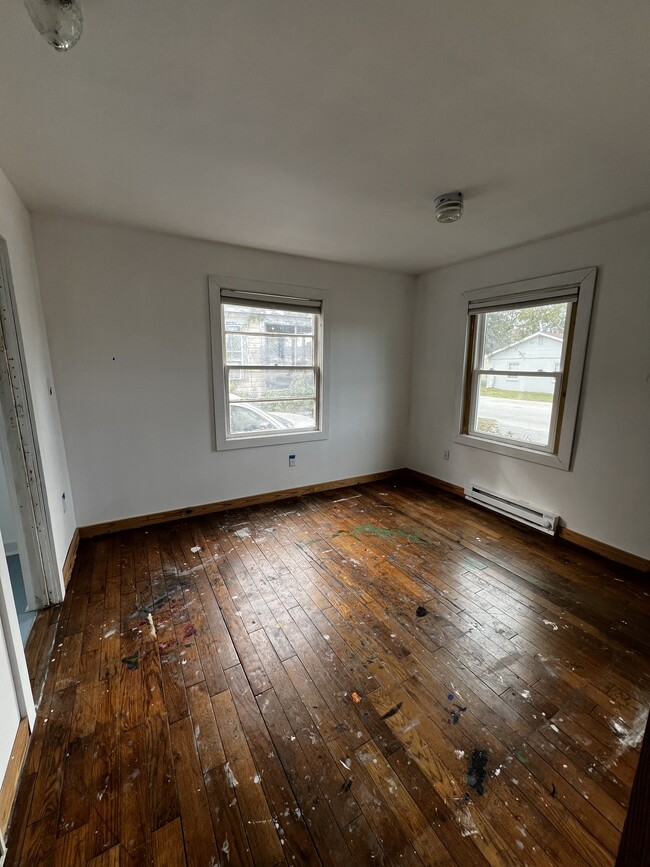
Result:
pixel 467 825
pixel 230 777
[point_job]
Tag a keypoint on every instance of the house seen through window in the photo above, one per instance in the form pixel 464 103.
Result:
pixel 519 373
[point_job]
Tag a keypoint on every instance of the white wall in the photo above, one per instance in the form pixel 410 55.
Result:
pixel 15 228
pixel 605 496
pixel 139 429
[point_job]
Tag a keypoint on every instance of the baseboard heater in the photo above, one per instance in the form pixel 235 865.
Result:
pixel 539 519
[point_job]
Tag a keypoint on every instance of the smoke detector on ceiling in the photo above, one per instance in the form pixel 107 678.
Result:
pixel 449 207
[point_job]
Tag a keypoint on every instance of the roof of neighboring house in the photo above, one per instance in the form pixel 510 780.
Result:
pixel 524 340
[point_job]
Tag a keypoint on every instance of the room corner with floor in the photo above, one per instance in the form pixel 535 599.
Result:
pixel 323 390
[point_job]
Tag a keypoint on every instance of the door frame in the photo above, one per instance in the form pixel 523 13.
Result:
pixel 14 644
pixel 21 455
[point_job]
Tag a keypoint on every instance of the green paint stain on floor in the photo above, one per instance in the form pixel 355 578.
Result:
pixel 382 532
pixel 371 530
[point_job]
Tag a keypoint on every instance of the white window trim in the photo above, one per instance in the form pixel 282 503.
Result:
pixel 261 288
pixel 583 281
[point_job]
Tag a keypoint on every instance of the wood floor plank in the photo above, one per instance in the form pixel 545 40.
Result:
pixel 167 845
pixel 70 850
pixel 297 843
pixel 200 845
pixel 246 778
pixel 206 733
pixel 229 828
pixel 308 682
pixel 110 858
pixel 49 780
pixel 329 842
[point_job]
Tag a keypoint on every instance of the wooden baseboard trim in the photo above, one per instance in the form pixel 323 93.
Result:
pixel 604 550
pixel 70 557
pixel 12 774
pixel 435 483
pixel 139 521
pixel 625 558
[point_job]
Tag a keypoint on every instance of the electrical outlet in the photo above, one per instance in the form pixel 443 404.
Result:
pixel 292 460
pixel 445 454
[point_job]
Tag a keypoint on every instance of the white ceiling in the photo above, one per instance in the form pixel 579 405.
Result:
pixel 327 127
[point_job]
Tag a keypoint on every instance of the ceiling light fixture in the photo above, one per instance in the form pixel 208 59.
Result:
pixel 449 207
pixel 59 22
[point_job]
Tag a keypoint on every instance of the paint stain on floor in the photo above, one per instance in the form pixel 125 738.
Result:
pixel 382 532
pixel 132 662
pixel 476 771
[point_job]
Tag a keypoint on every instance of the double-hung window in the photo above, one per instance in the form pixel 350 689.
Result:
pixel 526 346
pixel 268 363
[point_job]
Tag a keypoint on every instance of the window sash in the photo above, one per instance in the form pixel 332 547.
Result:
pixel 283 334
pixel 476 312
pixel 555 409
pixel 489 371
pixel 309 306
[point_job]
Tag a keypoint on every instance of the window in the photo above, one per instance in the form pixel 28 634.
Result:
pixel 517 407
pixel 513 367
pixel 268 363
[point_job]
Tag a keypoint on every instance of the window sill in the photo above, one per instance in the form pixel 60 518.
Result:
pixel 277 439
pixel 513 451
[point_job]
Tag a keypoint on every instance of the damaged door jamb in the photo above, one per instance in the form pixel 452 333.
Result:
pixel 20 451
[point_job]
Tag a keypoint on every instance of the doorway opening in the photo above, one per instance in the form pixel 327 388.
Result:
pixel 24 514
pixel 15 563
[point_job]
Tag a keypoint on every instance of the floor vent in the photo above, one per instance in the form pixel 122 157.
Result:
pixel 534 517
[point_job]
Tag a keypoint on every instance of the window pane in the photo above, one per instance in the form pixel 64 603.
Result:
pixel 272 417
pixel 518 410
pixel 296 350
pixel 238 317
pixel 281 383
pixel 530 337
pixel 245 418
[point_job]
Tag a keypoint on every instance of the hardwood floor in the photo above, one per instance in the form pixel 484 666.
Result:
pixel 376 675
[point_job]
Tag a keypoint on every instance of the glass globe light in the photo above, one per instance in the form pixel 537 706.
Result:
pixel 59 22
